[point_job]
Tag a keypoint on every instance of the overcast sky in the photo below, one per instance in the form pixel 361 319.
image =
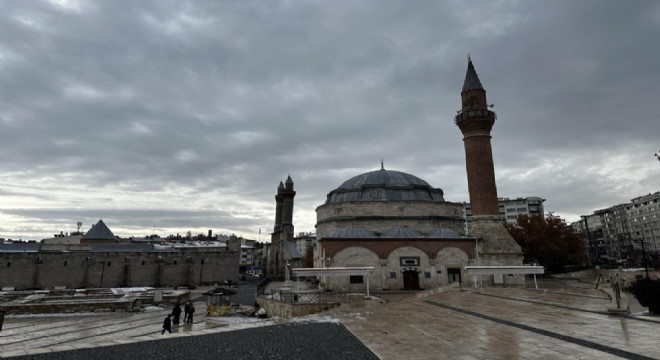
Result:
pixel 169 116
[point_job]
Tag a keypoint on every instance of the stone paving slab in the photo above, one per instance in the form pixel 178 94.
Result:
pixel 494 323
pixel 468 323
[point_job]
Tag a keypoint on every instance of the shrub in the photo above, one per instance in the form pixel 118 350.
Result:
pixel 647 293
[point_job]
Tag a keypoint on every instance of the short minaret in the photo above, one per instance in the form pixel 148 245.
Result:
pixel 476 121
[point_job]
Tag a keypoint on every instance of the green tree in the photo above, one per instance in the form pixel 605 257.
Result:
pixel 549 242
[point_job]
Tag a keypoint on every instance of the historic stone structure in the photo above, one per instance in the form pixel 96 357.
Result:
pixel 402 227
pixel 121 265
pixel 100 259
pixel 281 250
pixel 476 121
pixel 396 223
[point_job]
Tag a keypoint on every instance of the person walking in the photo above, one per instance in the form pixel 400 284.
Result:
pixel 176 314
pixel 190 314
pixel 167 324
pixel 186 310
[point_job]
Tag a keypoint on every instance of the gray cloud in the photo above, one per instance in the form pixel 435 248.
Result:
pixel 135 110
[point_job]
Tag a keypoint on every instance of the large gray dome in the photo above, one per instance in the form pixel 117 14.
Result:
pixel 384 185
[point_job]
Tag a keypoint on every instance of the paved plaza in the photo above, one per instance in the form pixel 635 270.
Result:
pixel 559 321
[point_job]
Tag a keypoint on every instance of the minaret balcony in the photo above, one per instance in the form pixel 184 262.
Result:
pixel 466 115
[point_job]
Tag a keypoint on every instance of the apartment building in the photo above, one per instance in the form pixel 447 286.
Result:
pixel 511 208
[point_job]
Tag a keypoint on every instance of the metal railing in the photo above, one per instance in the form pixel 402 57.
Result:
pixel 308 297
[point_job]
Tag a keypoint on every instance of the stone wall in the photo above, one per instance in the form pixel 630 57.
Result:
pixel 290 310
pixel 435 257
pixel 45 270
pixel 381 216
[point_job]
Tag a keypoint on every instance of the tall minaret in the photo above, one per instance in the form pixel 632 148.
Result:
pixel 279 203
pixel 475 120
pixel 276 257
pixel 287 209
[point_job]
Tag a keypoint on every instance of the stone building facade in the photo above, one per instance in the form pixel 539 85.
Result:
pixel 396 223
pixel 34 269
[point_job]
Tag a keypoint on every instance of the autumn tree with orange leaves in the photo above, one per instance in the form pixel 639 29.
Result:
pixel 549 242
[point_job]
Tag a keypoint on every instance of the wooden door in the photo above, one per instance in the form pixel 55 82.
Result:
pixel 410 280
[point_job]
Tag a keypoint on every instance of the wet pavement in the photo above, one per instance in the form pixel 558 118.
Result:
pixel 506 323
pixel 565 320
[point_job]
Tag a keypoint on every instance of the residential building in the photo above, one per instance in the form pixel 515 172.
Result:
pixel 511 208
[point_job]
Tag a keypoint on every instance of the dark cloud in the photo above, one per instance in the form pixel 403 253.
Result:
pixel 187 114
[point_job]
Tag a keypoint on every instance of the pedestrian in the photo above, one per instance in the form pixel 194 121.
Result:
pixel 190 314
pixel 186 310
pixel 167 324
pixel 176 314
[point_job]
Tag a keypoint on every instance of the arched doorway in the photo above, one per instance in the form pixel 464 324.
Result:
pixel 453 275
pixel 410 280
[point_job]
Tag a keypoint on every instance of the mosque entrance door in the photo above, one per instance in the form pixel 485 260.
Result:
pixel 410 280
pixel 454 275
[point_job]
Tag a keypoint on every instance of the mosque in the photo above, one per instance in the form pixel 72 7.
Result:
pixel 401 227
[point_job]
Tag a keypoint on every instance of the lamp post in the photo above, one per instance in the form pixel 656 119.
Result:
pixel 102 272
pixel 646 268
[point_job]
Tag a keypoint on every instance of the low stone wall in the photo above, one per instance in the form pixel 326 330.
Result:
pixel 290 310
pixel 93 303
pixel 62 307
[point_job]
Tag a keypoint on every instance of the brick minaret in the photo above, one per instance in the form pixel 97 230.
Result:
pixel 496 246
pixel 475 122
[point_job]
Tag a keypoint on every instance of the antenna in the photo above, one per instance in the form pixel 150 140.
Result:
pixel 79 223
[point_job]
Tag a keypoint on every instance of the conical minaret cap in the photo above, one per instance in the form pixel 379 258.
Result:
pixel 471 78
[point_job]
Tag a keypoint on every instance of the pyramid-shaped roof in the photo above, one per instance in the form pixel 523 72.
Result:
pixel 99 231
pixel 471 78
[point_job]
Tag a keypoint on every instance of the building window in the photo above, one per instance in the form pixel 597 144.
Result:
pixel 356 279
pixel 174 262
pixel 409 261
pixel 8 263
pixel 392 275
pixel 66 263
pixel 427 275
pixel 142 262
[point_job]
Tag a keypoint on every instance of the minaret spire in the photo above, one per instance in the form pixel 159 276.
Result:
pixel 471 78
